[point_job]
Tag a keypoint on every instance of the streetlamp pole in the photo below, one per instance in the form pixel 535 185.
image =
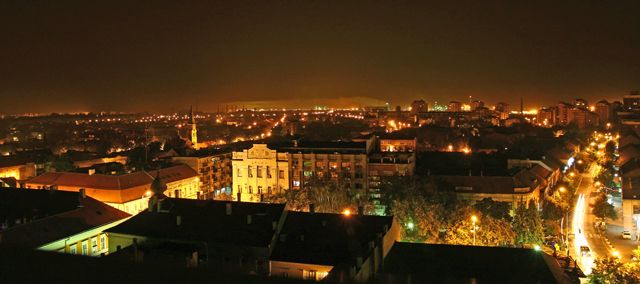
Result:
pixel 474 219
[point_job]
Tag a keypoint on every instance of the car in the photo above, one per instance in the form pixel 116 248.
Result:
pixel 585 251
pixel 626 235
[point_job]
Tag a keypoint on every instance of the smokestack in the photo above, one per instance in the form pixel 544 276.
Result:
pixel 228 209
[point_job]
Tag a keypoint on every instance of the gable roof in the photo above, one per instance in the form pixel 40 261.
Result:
pixel 87 213
pixel 114 188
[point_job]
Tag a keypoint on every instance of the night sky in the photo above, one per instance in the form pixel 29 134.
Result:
pixel 165 55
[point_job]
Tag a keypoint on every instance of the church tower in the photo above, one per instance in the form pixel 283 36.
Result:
pixel 194 130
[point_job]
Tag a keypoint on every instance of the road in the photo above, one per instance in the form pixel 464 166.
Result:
pixel 582 224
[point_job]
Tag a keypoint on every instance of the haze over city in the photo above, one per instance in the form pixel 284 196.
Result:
pixel 131 56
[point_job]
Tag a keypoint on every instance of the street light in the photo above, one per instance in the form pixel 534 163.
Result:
pixel 474 219
pixel 562 189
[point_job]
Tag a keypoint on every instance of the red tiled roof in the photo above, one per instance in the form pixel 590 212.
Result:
pixel 112 188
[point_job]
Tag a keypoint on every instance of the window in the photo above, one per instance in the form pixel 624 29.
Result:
pixel 249 173
pixel 85 247
pixel 259 171
pixel 269 190
pixel 239 189
pixel 103 242
pixel 308 174
pixel 268 172
pixel 73 249
pixel 94 246
pixel 239 173
pixel 281 174
pixel 296 183
pixel 250 190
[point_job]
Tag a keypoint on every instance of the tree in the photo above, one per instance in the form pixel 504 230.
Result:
pixel 420 219
pixel 602 209
pixel 527 225
pixel 494 209
pixel 489 231
pixel 612 270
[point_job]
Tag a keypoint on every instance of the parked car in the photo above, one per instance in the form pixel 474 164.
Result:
pixel 626 235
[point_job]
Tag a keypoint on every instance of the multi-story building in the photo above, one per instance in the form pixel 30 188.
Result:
pixel 476 104
pixel 603 109
pixel 419 106
pixel 454 106
pixel 18 170
pixel 214 170
pixel 563 113
pixel 631 101
pixel 546 117
pixel 582 117
pixel 260 170
pixel 127 192
pixel 580 103
pixel 503 110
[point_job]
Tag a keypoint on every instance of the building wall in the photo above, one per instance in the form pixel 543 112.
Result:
pixel 259 170
pixel 299 270
pixel 631 216
pixel 19 172
pixel 213 171
pixel 398 145
pixel 349 170
pixel 93 242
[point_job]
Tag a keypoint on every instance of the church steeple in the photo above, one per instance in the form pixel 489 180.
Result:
pixel 194 130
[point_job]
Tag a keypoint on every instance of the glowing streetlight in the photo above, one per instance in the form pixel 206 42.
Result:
pixel 562 189
pixel 474 219
pixel 346 212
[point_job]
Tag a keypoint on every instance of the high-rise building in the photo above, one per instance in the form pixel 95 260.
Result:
pixel 419 106
pixel 454 106
pixel 580 103
pixel 476 104
pixel 563 113
pixel 631 101
pixel 603 109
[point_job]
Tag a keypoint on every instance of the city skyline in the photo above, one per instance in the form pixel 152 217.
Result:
pixel 134 57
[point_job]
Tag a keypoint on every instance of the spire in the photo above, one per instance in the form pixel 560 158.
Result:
pixel 192 119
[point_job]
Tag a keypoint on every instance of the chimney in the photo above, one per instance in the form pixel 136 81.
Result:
pixel 81 196
pixel 228 208
pixel 249 219
pixel 312 208
pixel 178 220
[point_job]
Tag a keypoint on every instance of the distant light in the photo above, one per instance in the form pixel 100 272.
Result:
pixel 410 225
pixel 537 248
pixel 346 212
pixel 474 218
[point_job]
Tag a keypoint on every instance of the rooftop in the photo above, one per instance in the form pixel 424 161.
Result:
pixel 113 188
pixel 61 214
pixel 328 239
pixel 433 263
pixel 207 221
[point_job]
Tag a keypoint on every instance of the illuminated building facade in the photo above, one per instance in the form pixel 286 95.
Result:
pixel 419 106
pixel 128 192
pixel 259 170
pixel 214 170
pixel 18 171
pixel 454 106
